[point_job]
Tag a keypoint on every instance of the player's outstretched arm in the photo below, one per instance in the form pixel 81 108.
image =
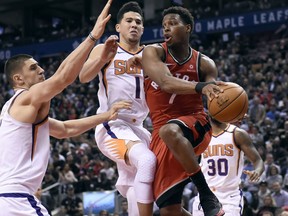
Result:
pixel 158 71
pixel 99 56
pixel 245 143
pixel 71 66
pixel 70 128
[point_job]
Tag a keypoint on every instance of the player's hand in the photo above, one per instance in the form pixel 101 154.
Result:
pixel 254 176
pixel 212 90
pixel 110 48
pixel 113 112
pixel 135 61
pixel 101 22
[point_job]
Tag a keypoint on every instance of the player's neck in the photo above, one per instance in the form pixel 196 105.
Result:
pixel 218 127
pixel 19 88
pixel 181 53
pixel 130 47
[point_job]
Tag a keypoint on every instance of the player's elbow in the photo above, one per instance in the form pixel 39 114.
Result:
pixel 59 135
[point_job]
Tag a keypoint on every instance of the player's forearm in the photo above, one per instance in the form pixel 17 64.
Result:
pixel 71 66
pixel 177 86
pixel 79 126
pixel 90 70
pixel 259 166
pixel 160 74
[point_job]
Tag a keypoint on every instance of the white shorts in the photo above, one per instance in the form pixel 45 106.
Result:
pixel 232 202
pixel 111 139
pixel 21 204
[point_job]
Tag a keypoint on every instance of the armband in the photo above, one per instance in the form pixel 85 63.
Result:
pixel 200 85
pixel 92 38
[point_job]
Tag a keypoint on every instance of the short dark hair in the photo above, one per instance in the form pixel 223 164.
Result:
pixel 13 64
pixel 184 14
pixel 127 7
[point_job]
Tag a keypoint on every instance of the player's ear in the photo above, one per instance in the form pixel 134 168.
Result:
pixel 117 27
pixel 18 78
pixel 188 28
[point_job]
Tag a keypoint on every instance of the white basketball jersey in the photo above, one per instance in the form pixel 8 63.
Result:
pixel 117 82
pixel 222 162
pixel 24 152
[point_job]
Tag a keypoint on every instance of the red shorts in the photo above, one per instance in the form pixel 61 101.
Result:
pixel 169 172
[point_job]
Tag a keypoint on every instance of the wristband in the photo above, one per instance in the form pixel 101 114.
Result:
pixel 200 85
pixel 92 38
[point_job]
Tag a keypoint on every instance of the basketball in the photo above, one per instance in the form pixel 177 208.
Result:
pixel 231 105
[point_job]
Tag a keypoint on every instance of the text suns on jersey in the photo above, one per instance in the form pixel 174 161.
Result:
pixel 120 67
pixel 219 150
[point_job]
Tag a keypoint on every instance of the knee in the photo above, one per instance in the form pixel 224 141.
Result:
pixel 146 167
pixel 146 160
pixel 170 133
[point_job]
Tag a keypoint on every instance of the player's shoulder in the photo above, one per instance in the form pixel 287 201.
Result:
pixel 97 49
pixel 206 59
pixel 241 136
pixel 154 46
pixel 240 130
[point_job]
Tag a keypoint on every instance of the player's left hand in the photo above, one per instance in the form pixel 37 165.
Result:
pixel 212 90
pixel 113 112
pixel 110 48
pixel 254 176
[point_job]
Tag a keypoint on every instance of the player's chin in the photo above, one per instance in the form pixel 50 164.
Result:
pixel 134 39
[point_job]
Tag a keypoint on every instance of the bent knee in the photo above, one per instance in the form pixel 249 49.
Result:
pixel 169 132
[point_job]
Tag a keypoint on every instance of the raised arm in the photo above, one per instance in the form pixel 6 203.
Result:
pixel 100 55
pixel 157 71
pixel 245 143
pixel 71 66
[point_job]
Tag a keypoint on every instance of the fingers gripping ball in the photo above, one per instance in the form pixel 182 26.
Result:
pixel 231 105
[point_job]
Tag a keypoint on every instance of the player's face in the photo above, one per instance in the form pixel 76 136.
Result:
pixel 32 72
pixel 174 30
pixel 131 27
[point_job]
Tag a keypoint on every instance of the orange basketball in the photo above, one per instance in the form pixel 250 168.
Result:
pixel 231 105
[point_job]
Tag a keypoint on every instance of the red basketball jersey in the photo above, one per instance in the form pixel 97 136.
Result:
pixel 164 106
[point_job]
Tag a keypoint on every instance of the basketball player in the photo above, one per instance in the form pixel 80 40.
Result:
pixel 181 127
pixel 222 164
pixel 25 126
pixel 124 140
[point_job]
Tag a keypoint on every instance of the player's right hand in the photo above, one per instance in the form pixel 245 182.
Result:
pixel 113 112
pixel 212 90
pixel 102 20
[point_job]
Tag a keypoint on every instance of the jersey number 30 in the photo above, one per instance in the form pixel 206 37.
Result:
pixel 217 167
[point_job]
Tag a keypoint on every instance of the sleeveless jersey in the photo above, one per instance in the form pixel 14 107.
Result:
pixel 164 106
pixel 24 152
pixel 222 162
pixel 117 82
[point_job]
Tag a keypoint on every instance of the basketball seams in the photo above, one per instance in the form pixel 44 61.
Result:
pixel 231 106
pixel 230 102
pixel 237 116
